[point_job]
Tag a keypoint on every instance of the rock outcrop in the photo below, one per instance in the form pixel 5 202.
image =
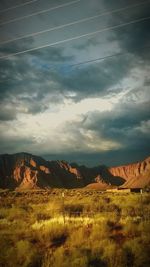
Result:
pixel 26 171
pixel 135 175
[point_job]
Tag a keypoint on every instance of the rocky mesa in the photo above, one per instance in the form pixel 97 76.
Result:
pixel 26 171
pixel 135 175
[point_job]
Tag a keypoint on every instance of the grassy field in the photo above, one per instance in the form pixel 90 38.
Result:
pixel 79 228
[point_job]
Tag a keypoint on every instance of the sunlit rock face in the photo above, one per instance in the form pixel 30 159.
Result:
pixel 69 168
pixel 23 170
pixel 26 171
pixel 136 174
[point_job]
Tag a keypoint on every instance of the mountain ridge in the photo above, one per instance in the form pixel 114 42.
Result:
pixel 26 171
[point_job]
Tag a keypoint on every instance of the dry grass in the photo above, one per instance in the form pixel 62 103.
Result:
pixel 89 229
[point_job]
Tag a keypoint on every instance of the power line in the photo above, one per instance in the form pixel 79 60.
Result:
pixel 39 12
pixel 103 58
pixel 17 6
pixel 75 38
pixel 72 23
pixel 97 59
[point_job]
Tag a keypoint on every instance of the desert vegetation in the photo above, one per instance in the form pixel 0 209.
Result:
pixel 79 228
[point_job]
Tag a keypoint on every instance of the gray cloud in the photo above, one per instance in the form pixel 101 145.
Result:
pixel 11 145
pixel 31 78
pixel 43 79
pixel 29 81
pixel 114 157
pixel 128 124
pixel 135 37
pixel 7 114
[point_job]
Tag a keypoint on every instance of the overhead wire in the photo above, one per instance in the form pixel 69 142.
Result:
pixel 76 37
pixel 98 59
pixel 105 57
pixel 39 12
pixel 72 23
pixel 17 6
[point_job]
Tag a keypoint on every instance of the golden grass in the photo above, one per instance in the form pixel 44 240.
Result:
pixel 89 229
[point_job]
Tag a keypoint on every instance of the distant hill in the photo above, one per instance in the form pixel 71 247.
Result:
pixel 26 171
pixel 135 175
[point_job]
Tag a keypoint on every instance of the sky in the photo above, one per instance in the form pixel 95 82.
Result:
pixel 92 113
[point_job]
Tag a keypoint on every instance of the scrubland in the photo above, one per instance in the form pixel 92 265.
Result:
pixel 79 228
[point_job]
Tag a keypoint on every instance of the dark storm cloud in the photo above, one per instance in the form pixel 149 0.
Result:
pixel 133 38
pixel 147 82
pixel 30 78
pixel 53 54
pixel 10 144
pixel 37 68
pixel 96 79
pixel 128 124
pixel 7 114
pixel 111 158
pixel 86 44
pixel 33 82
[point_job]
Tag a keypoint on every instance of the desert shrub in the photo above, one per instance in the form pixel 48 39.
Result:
pixel 65 257
pixel 138 253
pixel 129 257
pixel 51 235
pixel 43 212
pixel 73 209
pixel 146 199
pixel 20 254
pixel 4 213
pixel 76 238
pixel 112 254
pixel 43 216
pixel 73 257
pixel 95 258
pixel 96 262
pixel 131 211
pixel 99 231
pixel 107 199
pixel 100 207
pixel 26 207
pixel 113 208
pixel 131 229
pixel 114 226
pixel 26 253
pixel 33 233
pixel 78 258
pixel 5 245
pixel 144 227
pixel 16 214
pixel 126 202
